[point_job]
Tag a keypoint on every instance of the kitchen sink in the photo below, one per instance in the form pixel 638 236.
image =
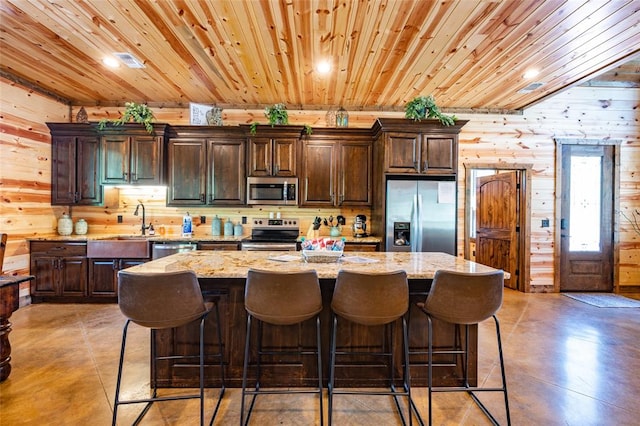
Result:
pixel 121 247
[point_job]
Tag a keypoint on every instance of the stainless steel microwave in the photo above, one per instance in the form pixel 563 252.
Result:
pixel 272 190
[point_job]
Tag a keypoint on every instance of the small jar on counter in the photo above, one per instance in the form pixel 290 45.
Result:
pixel 81 227
pixel 65 225
pixel 237 230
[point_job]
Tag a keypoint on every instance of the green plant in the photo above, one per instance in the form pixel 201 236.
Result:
pixel 253 128
pixel 139 113
pixel 422 107
pixel 307 129
pixel 277 114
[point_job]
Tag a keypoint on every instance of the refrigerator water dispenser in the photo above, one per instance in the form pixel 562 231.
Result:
pixel 401 233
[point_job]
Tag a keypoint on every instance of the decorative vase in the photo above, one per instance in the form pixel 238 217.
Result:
pixel 215 226
pixel 237 230
pixel 334 231
pixel 228 228
pixel 65 225
pixel 81 227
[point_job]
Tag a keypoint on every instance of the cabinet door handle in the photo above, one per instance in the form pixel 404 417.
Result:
pixel 60 264
pixel 426 166
pixel 114 264
pixel 416 166
pixel 276 169
pixel 341 199
pixel 76 197
pixel 202 198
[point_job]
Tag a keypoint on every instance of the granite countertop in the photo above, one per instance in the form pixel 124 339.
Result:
pixel 178 237
pixel 153 238
pixel 234 264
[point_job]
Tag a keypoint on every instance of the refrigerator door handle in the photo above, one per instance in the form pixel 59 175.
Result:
pixel 414 221
pixel 419 222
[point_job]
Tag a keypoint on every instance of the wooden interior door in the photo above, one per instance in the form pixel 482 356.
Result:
pixel 586 248
pixel 497 228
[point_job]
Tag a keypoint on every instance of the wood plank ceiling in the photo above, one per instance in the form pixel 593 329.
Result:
pixel 469 54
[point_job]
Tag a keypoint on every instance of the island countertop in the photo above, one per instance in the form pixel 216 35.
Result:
pixel 235 264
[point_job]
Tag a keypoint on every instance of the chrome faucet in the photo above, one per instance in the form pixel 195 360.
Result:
pixel 144 227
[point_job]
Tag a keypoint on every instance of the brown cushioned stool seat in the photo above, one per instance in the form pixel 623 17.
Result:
pixel 465 299
pixel 372 300
pixel 280 299
pixel 160 301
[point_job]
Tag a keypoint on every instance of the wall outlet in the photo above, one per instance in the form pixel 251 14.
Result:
pixel 119 218
pixel 244 220
pixel 203 219
pixel 545 223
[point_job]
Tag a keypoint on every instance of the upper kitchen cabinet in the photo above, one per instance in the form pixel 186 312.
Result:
pixel 131 155
pixel 75 165
pixel 206 166
pixel 272 151
pixel 336 168
pixel 418 147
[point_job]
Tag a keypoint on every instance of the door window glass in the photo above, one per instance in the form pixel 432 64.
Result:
pixel 584 219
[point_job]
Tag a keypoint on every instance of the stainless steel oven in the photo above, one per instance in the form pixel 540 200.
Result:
pixel 272 190
pixel 272 235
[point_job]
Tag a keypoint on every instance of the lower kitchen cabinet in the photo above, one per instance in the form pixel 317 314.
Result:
pixel 349 246
pixel 214 245
pixel 60 270
pixel 103 275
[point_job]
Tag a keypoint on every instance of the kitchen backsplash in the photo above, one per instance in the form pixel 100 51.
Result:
pixel 169 219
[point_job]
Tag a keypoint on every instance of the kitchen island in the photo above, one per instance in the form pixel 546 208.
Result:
pixel 222 276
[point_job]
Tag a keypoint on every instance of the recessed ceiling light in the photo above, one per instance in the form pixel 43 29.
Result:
pixel 323 67
pixel 111 62
pixel 529 74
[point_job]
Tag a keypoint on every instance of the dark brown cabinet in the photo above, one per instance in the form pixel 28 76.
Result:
pixel 218 245
pixel 424 147
pixel 130 155
pixel 59 268
pixel 103 275
pixel 206 167
pixel 351 246
pixel 336 168
pixel 272 157
pixel 273 151
pixel 75 165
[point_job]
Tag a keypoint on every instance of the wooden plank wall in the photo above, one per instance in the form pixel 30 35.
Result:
pixel 590 113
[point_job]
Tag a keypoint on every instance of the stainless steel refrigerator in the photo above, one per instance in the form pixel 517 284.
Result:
pixel 421 216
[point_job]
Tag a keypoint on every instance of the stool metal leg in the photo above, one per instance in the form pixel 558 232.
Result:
pixel 222 372
pixel 244 372
pixel 466 387
pixel 255 391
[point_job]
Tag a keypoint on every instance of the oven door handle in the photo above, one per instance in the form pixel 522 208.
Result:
pixel 269 246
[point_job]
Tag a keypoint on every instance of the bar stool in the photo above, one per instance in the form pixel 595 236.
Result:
pixel 280 298
pixel 465 299
pixel 372 300
pixel 160 301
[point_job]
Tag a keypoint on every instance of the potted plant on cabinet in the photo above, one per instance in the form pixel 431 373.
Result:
pixel 138 113
pixel 277 114
pixel 422 107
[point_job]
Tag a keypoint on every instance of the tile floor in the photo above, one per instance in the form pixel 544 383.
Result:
pixel 568 363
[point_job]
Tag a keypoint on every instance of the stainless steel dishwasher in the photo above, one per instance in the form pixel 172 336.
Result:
pixel 162 249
